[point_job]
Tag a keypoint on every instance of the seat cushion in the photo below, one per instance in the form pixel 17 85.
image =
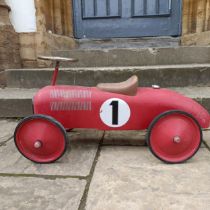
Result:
pixel 128 87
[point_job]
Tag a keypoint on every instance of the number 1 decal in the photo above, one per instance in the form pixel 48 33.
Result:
pixel 115 112
pixel 115 109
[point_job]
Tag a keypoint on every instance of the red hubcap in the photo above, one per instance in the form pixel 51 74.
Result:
pixel 175 137
pixel 40 140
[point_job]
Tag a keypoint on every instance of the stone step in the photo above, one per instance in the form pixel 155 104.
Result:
pixel 136 56
pixel 16 102
pixel 163 75
pixel 141 42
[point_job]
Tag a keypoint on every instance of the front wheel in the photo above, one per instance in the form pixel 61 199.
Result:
pixel 40 138
pixel 174 136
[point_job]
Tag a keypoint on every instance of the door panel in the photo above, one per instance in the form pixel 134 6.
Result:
pixel 144 8
pixel 126 18
pixel 100 9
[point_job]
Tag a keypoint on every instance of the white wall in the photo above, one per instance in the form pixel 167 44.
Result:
pixel 23 15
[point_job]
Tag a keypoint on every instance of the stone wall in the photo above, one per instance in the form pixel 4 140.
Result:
pixel 196 22
pixel 54 32
pixel 9 44
pixel 41 43
pixel 58 16
pixel 9 41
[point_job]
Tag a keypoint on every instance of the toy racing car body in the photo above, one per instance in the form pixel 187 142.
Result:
pixel 90 107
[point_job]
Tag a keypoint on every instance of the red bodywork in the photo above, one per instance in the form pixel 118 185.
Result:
pixel 79 107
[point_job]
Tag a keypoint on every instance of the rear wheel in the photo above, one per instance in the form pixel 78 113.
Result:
pixel 40 138
pixel 174 136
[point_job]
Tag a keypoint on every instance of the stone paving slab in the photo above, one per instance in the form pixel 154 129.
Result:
pixel 21 193
pixel 135 138
pixel 206 137
pixel 77 161
pixel 82 136
pixel 132 178
pixel 7 128
pixel 124 137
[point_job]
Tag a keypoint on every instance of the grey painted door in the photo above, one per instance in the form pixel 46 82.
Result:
pixel 126 18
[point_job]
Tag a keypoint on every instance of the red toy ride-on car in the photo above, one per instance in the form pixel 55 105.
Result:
pixel 174 122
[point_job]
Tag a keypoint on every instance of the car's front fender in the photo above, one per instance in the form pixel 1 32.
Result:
pixel 156 101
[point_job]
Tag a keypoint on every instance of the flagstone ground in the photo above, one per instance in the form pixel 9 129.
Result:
pixel 102 170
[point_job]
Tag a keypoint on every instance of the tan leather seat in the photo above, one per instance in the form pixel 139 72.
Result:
pixel 128 87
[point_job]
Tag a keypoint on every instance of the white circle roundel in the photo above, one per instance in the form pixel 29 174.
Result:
pixel 115 112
